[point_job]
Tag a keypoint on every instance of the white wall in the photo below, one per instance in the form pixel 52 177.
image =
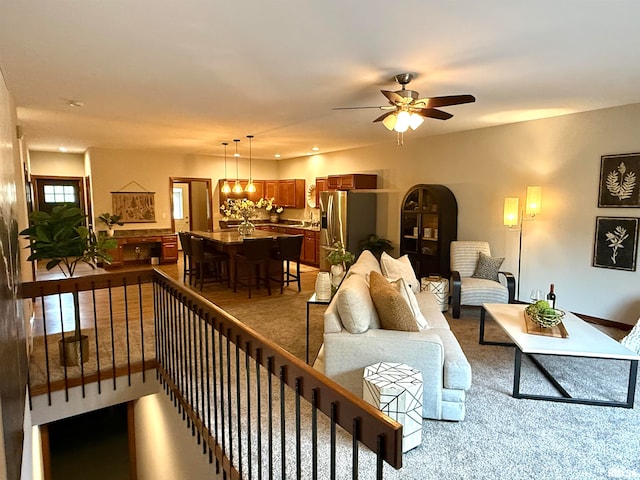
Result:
pixel 164 446
pixel 484 166
pixel 57 164
pixel 112 170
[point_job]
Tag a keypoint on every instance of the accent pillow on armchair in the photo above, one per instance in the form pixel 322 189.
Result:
pixel 475 276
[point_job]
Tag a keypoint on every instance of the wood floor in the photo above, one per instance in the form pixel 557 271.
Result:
pixel 216 292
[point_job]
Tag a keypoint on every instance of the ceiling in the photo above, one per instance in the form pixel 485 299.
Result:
pixel 184 76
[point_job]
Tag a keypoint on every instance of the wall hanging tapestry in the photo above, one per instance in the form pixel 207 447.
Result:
pixel 134 207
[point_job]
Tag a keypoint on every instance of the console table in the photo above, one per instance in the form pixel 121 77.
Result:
pixel 134 248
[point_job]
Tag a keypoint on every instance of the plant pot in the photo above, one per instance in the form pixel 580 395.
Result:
pixel 274 218
pixel 70 350
pixel 110 232
pixel 337 273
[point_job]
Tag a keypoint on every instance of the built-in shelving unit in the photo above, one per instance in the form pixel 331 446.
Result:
pixel 429 223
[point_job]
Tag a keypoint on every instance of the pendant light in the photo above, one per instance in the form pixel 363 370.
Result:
pixel 226 188
pixel 237 188
pixel 250 186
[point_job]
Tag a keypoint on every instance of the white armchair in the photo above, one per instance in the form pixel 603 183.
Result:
pixel 467 289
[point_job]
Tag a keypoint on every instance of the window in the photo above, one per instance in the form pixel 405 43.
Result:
pixel 178 212
pixel 60 194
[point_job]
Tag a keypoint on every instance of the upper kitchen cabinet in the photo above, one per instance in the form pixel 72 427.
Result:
pixel 352 181
pixel 291 193
pixel 271 188
pixel 321 186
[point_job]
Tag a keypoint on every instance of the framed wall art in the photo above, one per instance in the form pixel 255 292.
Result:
pixel 616 243
pixel 619 181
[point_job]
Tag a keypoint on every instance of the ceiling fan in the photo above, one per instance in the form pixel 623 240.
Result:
pixel 407 110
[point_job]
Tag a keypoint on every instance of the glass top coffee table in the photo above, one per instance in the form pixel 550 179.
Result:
pixel 583 340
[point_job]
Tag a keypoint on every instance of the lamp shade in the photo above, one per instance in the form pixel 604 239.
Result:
pixel 511 211
pixel 403 122
pixel 390 121
pixel 534 200
pixel 415 121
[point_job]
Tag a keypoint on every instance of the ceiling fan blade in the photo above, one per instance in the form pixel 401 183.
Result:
pixel 357 108
pixel 433 113
pixel 383 116
pixel 393 97
pixel 445 101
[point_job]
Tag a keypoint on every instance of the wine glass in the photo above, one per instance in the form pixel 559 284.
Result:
pixel 536 295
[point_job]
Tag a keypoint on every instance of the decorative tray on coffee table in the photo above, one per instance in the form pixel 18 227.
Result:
pixel 535 329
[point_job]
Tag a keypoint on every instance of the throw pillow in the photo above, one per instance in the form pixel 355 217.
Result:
pixel 355 306
pixel 488 267
pixel 399 268
pixel 365 263
pixel 411 300
pixel 393 310
pixel 632 340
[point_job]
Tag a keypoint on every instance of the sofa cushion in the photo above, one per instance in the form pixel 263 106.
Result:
pixel 411 300
pixel 365 263
pixel 487 267
pixel 476 291
pixel 394 268
pixel 355 306
pixel 393 310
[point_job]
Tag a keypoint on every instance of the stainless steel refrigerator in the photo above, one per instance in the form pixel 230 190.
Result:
pixel 348 217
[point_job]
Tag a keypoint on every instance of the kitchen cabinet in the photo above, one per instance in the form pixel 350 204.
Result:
pixel 308 254
pixel 169 249
pixel 429 223
pixel 352 181
pixel 291 193
pixel 321 186
pixel 271 188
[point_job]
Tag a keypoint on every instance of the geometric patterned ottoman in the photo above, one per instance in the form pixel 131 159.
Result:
pixel 396 390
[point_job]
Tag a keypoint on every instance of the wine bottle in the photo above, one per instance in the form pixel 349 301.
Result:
pixel 551 297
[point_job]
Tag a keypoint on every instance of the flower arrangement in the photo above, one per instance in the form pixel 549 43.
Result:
pixel 269 206
pixel 239 208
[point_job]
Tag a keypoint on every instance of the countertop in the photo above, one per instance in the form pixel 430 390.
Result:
pixel 258 223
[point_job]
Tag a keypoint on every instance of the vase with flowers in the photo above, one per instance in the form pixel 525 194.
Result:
pixel 241 209
pixel 274 210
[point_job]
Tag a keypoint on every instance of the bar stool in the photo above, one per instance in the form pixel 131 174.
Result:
pixel 257 254
pixel 289 249
pixel 205 261
pixel 185 242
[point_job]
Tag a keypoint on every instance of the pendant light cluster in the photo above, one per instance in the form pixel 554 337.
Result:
pixel 237 187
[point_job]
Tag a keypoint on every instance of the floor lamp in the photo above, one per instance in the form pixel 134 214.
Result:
pixel 513 218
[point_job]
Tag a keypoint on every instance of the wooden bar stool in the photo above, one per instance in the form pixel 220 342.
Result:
pixel 256 257
pixel 288 251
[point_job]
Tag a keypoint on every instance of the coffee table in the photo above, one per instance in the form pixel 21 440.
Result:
pixel 583 340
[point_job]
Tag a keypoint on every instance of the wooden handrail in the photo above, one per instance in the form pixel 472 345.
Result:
pixel 41 288
pixel 373 422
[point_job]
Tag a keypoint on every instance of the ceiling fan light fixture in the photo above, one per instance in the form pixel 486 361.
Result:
pixel 415 121
pixel 402 124
pixel 390 121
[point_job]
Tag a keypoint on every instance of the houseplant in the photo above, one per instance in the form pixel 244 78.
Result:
pixel 339 258
pixel 272 209
pixel 61 238
pixel 376 245
pixel 110 220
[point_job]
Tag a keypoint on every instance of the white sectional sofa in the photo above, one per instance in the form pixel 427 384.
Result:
pixel 353 340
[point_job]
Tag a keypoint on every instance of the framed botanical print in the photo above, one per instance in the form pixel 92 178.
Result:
pixel 619 180
pixel 616 243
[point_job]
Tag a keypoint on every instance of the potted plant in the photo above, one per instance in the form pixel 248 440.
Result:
pixel 339 258
pixel 61 238
pixel 376 245
pixel 272 209
pixel 110 220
